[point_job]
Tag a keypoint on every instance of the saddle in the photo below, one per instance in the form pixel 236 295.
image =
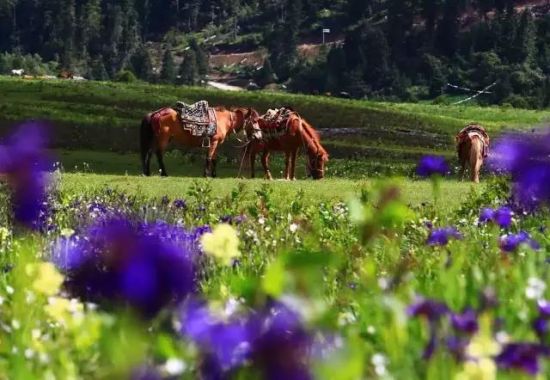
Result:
pixel 474 130
pixel 275 122
pixel 198 119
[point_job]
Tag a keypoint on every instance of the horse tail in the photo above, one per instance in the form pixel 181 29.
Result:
pixel 146 139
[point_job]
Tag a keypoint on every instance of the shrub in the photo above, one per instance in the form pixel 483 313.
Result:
pixel 125 76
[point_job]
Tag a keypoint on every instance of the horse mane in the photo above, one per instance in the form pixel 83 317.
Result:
pixel 312 138
pixel 315 138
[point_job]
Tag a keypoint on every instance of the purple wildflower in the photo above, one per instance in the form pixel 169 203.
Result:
pixel 521 356
pixel 502 216
pixel 526 159
pixel 114 261
pixel 465 322
pixel 510 243
pixel 227 343
pixel 179 203
pixel 544 309
pixel 145 373
pixel 432 165
pixel 540 326
pixel 441 236
pixel 486 215
pixel 272 340
pixel 431 309
pixel 25 165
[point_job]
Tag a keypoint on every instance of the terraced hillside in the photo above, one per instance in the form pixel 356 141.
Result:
pixel 104 116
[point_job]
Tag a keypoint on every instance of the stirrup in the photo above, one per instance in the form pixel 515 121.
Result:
pixel 205 142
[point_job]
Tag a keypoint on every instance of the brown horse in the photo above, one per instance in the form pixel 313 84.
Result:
pixel 292 133
pixel 160 127
pixel 472 148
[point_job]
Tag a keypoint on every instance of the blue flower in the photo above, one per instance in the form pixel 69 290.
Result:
pixel 465 322
pixel 115 261
pixel 227 343
pixel 510 243
pixel 441 236
pixel 501 216
pixel 432 165
pixel 179 203
pixel 273 340
pixel 525 158
pixel 430 309
pixel 26 165
pixel 521 356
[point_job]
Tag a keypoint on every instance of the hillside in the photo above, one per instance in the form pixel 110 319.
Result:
pixel 105 117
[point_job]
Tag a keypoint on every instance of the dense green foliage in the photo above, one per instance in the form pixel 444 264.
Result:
pixel 388 49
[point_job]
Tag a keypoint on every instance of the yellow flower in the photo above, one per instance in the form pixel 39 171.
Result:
pixel 58 308
pixel 483 369
pixel 46 278
pixel 67 312
pixel 222 243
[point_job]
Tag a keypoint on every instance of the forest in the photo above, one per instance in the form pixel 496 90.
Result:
pixel 381 49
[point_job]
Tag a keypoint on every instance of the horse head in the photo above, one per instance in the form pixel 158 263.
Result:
pixel 317 161
pixel 250 123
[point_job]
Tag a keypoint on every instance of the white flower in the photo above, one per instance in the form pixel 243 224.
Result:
pixel 174 366
pixel 535 288
pixel 293 227
pixel 371 330
pixel 261 220
pixel 29 353
pixel 379 362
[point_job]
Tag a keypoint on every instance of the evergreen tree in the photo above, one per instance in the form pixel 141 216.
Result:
pixel 201 57
pixel 168 71
pixel 448 29
pixel 141 64
pixel 97 70
pixel 189 70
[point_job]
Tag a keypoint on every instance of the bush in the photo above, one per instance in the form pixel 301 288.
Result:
pixel 517 101
pixel 125 76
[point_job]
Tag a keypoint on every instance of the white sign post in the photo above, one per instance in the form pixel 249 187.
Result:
pixel 325 31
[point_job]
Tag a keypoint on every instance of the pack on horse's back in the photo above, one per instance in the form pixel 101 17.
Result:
pixel 198 119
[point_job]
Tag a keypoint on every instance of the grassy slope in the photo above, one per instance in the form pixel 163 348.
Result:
pixel 107 114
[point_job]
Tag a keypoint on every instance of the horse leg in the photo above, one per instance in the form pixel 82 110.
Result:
pixel 210 165
pixel 265 164
pixel 287 166
pixel 475 167
pixel 252 164
pixel 147 139
pixel 147 162
pixel 462 170
pixel 293 165
pixel 160 159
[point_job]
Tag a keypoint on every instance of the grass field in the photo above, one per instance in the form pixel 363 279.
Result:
pixel 415 193
pixel 363 275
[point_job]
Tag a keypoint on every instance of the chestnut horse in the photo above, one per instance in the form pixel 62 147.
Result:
pixel 295 133
pixel 160 127
pixel 472 148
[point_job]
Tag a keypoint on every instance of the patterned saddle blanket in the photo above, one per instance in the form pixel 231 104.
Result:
pixel 474 130
pixel 198 119
pixel 275 123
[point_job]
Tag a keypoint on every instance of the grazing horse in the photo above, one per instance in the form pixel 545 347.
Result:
pixel 472 147
pixel 288 134
pixel 160 127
